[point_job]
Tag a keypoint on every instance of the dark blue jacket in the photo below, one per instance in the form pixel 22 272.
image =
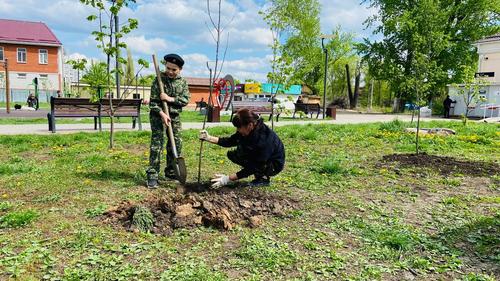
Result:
pixel 261 146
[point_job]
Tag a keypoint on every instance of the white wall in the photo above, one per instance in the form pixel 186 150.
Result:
pixel 491 95
pixel 489 59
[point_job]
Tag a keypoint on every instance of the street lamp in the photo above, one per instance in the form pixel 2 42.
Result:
pixel 323 37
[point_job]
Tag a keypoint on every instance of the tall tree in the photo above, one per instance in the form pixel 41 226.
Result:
pixel 78 65
pixel 426 40
pixel 96 76
pixel 107 37
pixel 341 52
pixel 300 54
pixel 129 72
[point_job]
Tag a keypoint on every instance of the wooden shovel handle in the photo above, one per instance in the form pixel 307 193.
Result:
pixel 165 107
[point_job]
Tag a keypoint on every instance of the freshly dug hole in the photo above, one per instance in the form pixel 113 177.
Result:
pixel 222 209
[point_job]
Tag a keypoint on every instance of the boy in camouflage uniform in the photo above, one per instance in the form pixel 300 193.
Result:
pixel 177 96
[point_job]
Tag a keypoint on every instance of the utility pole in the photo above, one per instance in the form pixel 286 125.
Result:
pixel 323 37
pixel 7 85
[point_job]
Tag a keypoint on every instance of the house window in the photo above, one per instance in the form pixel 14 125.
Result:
pixel 21 55
pixel 43 56
pixel 21 75
pixel 1 53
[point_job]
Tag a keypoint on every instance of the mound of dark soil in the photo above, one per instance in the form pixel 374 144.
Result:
pixel 444 164
pixel 222 209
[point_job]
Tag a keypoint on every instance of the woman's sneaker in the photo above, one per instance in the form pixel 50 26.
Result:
pixel 261 181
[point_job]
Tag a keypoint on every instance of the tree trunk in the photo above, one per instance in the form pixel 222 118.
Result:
pixel 357 80
pixel 349 88
pixel 353 95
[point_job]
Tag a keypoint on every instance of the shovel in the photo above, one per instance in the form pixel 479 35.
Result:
pixel 179 164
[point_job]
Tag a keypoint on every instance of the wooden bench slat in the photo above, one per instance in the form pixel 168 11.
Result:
pixel 307 108
pixel 259 107
pixel 80 107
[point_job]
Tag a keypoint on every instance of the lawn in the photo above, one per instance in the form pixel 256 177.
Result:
pixel 349 213
pixel 186 116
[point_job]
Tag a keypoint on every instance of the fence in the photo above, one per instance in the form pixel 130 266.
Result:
pixel 20 96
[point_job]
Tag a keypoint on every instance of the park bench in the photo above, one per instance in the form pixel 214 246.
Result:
pixel 83 107
pixel 259 107
pixel 307 108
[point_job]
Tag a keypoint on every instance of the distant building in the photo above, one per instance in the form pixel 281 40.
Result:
pixel 488 50
pixel 33 51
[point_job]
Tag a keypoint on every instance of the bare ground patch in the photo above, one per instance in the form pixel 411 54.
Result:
pixel 444 164
pixel 197 205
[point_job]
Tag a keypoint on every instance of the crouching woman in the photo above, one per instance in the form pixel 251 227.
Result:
pixel 259 150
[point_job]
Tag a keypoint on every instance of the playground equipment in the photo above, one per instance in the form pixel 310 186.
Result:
pixel 223 92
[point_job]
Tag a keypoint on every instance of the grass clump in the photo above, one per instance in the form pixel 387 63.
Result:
pixel 143 219
pixel 17 219
pixel 393 126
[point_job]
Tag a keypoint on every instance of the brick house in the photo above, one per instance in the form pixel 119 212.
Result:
pixel 32 51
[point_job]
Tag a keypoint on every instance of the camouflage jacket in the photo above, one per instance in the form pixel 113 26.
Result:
pixel 176 88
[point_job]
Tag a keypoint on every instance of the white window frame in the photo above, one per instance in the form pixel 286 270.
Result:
pixel 25 55
pixel 40 61
pixel 2 57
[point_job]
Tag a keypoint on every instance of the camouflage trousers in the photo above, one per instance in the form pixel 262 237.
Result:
pixel 158 132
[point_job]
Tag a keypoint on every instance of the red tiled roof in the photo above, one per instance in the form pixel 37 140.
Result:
pixel 194 81
pixel 27 32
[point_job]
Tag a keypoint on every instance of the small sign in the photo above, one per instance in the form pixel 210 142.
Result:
pixel 485 74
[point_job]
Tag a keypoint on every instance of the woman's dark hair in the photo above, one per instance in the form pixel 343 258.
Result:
pixel 243 117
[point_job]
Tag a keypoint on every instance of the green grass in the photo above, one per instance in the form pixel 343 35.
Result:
pixel 358 218
pixel 186 116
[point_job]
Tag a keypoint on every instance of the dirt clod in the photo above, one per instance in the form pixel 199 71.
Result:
pixel 222 209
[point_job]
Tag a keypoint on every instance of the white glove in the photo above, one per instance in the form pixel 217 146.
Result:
pixel 220 180
pixel 204 135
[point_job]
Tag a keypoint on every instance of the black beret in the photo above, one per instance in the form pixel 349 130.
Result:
pixel 175 59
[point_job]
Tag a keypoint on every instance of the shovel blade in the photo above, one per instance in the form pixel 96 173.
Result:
pixel 180 170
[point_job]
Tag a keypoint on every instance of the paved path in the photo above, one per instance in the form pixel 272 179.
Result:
pixel 344 118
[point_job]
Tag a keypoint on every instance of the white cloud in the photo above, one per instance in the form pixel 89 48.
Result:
pixel 76 56
pixel 142 45
pixel 350 15
pixel 250 67
pixel 181 26
pixel 6 7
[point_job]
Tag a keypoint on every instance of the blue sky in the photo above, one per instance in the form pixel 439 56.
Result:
pixel 180 26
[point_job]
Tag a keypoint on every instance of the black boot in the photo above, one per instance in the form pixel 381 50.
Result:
pixel 170 173
pixel 152 179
